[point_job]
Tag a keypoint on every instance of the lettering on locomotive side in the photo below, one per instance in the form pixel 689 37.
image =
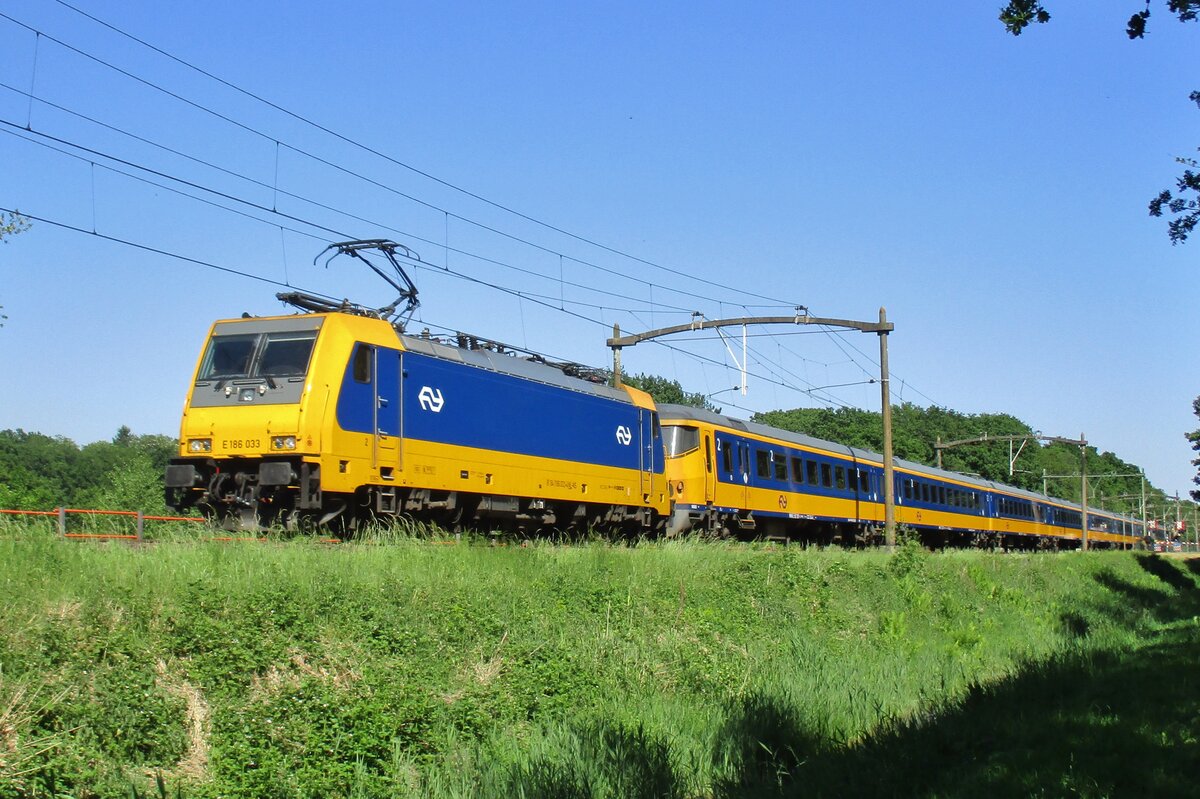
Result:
pixel 241 443
pixel 570 485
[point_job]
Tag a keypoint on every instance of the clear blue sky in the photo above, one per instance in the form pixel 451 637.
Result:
pixel 990 191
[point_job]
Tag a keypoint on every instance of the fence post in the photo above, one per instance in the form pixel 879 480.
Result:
pixel 141 524
pixel 62 521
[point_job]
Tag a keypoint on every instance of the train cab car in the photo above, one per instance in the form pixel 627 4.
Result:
pixel 730 477
pixel 1108 529
pixel 333 418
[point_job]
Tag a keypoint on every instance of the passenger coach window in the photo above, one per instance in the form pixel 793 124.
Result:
pixel 840 472
pixel 826 475
pixel 797 470
pixel 680 440
pixel 780 466
pixel 852 479
pixel 764 463
pixel 811 466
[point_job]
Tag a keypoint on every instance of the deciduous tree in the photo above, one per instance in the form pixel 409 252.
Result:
pixel 670 391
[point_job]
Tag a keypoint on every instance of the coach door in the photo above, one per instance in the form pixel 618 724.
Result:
pixel 646 424
pixel 387 410
pixel 733 464
pixel 710 466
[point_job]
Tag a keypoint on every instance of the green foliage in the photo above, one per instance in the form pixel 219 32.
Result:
pixel 672 669
pixel 10 225
pixel 915 430
pixel 1018 14
pixel 1184 200
pixel 39 472
pixel 668 391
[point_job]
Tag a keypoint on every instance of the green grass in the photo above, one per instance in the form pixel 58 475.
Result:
pixel 404 667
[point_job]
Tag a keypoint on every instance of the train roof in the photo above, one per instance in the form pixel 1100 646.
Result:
pixel 512 362
pixel 691 413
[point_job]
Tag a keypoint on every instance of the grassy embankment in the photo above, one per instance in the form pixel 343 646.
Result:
pixel 672 669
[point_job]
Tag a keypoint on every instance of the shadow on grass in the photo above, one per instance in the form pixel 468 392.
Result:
pixel 600 761
pixel 1106 724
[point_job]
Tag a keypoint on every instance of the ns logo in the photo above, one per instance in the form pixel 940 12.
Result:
pixel 431 399
pixel 624 435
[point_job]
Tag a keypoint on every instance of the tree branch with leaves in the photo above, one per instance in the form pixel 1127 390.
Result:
pixel 1184 201
pixel 10 225
pixel 1194 439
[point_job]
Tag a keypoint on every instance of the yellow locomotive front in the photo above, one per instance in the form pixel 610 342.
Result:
pixel 251 428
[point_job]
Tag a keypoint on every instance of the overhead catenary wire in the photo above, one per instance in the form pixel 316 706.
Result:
pixel 432 206
pixel 338 233
pixel 404 165
pixel 277 191
pixel 250 275
pixel 656 306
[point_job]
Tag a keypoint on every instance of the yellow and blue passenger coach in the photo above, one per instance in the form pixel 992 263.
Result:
pixel 333 418
pixel 730 477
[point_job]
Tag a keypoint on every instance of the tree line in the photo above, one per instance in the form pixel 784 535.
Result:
pixel 1052 467
pixel 40 472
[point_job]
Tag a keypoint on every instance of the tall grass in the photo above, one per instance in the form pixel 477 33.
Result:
pixel 419 668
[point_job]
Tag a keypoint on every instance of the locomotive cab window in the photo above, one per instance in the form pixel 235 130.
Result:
pixel 228 356
pixel 681 440
pixel 249 355
pixel 286 354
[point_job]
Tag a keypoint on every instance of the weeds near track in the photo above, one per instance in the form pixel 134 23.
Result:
pixel 676 669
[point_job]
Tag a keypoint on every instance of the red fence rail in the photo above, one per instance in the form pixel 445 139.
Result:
pixel 140 522
pixel 139 517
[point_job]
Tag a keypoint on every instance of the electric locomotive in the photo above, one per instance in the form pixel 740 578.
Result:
pixel 335 416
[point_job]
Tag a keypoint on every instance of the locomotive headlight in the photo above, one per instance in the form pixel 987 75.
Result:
pixel 283 442
pixel 199 445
